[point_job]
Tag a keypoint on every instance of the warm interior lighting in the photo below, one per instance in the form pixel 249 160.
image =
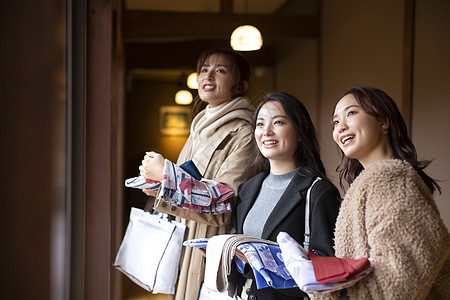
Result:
pixel 192 81
pixel 246 38
pixel 183 97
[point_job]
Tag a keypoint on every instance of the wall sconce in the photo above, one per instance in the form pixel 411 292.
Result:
pixel 246 37
pixel 192 81
pixel 183 97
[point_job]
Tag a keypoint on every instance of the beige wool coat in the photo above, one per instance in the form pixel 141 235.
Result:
pixel 389 215
pixel 222 154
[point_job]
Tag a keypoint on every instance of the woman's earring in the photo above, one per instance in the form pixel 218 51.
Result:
pixel 384 131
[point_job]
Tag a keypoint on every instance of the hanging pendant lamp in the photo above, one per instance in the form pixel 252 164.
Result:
pixel 246 37
pixel 183 97
pixel 192 81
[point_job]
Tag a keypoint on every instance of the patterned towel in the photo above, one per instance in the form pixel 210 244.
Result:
pixel 303 269
pixel 183 186
pixel 282 265
pixel 263 256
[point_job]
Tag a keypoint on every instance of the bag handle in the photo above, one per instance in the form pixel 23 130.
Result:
pixel 149 205
pixel 307 226
pixel 149 208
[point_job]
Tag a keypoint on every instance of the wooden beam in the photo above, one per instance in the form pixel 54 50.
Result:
pixel 226 6
pixel 184 54
pixel 152 26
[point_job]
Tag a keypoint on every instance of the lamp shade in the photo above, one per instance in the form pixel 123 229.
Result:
pixel 246 38
pixel 183 97
pixel 192 81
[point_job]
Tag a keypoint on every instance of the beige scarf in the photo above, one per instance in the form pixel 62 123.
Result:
pixel 206 123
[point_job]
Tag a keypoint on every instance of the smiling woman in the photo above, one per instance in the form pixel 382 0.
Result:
pixel 219 145
pixel 276 138
pixel 388 213
pixel 360 135
pixel 287 155
pixel 215 81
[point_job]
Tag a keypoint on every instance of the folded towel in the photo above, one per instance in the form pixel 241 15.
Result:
pixel 184 187
pixel 317 275
pixel 139 182
pixel 264 259
pixel 220 251
pixel 328 269
pixel 267 265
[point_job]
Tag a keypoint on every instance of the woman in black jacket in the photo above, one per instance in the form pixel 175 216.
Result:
pixel 288 157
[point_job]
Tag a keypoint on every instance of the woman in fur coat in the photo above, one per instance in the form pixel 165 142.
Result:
pixel 388 213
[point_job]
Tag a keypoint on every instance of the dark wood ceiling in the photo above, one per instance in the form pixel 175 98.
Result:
pixel 171 39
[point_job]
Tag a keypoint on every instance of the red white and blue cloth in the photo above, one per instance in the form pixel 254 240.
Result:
pixel 187 189
pixel 318 274
pixel 289 265
pixel 265 260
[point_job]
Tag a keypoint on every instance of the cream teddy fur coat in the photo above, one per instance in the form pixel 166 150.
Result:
pixel 389 215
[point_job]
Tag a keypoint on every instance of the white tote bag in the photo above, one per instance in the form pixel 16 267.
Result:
pixel 150 251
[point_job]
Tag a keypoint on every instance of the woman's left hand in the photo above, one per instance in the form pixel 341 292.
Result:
pixel 152 166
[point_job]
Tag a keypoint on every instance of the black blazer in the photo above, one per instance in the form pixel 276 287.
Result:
pixel 289 216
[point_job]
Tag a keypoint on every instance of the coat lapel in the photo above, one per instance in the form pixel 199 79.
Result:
pixel 290 200
pixel 203 158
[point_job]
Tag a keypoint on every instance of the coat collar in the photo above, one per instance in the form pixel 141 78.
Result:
pixel 212 144
pixel 207 148
pixel 291 198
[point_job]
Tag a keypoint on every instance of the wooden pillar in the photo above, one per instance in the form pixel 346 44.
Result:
pixel 117 144
pixel 32 152
pixel 98 140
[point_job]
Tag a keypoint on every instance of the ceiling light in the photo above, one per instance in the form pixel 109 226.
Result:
pixel 192 81
pixel 246 38
pixel 183 97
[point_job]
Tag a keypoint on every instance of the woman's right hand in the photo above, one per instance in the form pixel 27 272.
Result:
pixel 152 166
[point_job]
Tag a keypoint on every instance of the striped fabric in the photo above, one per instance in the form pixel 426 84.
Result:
pixel 283 265
pixel 263 256
pixel 181 189
pixel 303 271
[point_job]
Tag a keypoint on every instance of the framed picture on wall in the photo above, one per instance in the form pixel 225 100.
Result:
pixel 175 120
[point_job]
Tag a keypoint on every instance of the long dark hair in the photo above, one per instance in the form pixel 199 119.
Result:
pixel 238 65
pixel 307 153
pixel 380 105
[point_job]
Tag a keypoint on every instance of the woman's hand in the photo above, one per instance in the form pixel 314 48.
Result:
pixel 202 251
pixel 152 166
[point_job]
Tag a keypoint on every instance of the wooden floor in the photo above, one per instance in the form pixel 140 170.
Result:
pixel 132 291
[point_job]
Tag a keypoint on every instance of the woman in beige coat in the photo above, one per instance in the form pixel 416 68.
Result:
pixel 388 213
pixel 220 146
